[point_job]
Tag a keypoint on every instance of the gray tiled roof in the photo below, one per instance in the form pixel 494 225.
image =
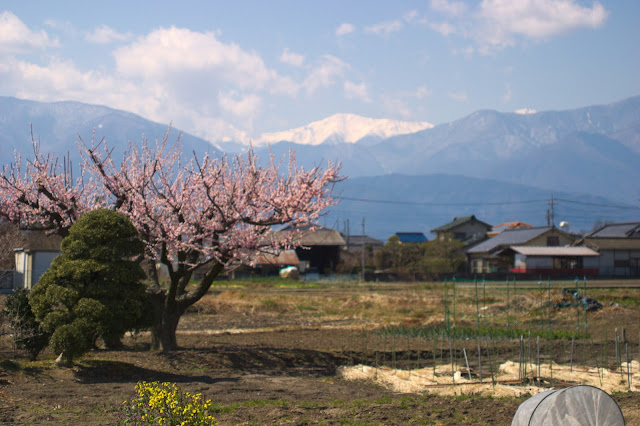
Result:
pixel 509 238
pixel 457 221
pixel 359 240
pixel 617 230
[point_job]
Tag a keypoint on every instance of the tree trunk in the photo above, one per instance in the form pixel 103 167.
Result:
pixel 165 323
pixel 167 310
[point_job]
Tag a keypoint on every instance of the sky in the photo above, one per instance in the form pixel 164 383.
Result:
pixel 232 70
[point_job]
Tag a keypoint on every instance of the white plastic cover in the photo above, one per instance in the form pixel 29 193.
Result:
pixel 580 405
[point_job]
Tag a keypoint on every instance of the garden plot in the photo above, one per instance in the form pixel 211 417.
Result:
pixel 505 382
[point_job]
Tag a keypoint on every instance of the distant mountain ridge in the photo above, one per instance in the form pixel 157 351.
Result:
pixel 56 127
pixel 344 128
pixel 592 149
pixel 489 157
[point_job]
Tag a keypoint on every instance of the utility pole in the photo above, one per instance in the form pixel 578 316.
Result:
pixel 362 249
pixel 551 217
pixel 347 232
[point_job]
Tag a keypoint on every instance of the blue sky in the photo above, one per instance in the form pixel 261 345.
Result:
pixel 236 69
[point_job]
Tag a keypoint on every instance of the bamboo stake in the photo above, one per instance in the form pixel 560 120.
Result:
pixel 453 377
pixel 520 360
pixel 586 323
pixel 626 345
pixel 479 361
pixel 484 299
pixel 475 282
pixel 435 344
pixel 393 352
pixel 549 305
pixel 408 355
pixel 530 358
pixel 493 382
pixel 572 343
pixel 467 362
pixel 538 350
pixel 508 303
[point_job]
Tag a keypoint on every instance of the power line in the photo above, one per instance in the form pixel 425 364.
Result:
pixel 417 203
pixel 585 203
pixel 493 203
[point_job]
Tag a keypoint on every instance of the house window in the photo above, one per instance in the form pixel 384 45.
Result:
pixel 621 263
pixel 459 236
pixel 553 241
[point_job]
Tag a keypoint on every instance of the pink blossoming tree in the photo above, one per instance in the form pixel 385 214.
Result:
pixel 204 213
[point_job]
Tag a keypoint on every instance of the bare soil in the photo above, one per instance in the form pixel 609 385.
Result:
pixel 257 367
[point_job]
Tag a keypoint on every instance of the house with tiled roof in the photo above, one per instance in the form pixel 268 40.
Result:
pixel 358 241
pixel 467 229
pixel 618 246
pixel 499 254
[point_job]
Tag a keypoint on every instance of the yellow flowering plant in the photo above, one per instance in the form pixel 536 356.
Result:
pixel 164 403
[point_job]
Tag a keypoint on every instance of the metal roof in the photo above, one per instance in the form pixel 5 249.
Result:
pixel 554 251
pixel 509 238
pixel 457 221
pixel 613 243
pixel 617 230
pixel 359 240
pixel 411 237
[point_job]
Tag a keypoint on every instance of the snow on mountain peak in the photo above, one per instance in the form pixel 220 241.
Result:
pixel 348 128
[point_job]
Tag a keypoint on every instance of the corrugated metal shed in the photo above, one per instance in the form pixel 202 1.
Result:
pixel 554 251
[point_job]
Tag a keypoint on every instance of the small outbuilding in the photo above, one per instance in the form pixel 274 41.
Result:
pixel 30 265
pixel 580 405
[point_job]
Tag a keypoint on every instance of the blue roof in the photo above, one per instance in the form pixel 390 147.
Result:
pixel 411 237
pixel 509 238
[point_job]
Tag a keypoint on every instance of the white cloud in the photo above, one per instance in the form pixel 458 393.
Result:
pixel 411 16
pixel 105 35
pixel 356 91
pixel 324 74
pixel 453 8
pixel 396 107
pixel 460 96
pixel 16 37
pixel 539 19
pixel 466 51
pixel 244 107
pixel 345 28
pixel 422 92
pixel 444 28
pixel 507 92
pixel 170 54
pixel 291 58
pixel 385 28
pixel 65 27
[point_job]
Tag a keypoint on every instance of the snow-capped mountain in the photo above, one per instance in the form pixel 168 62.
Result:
pixel 344 128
